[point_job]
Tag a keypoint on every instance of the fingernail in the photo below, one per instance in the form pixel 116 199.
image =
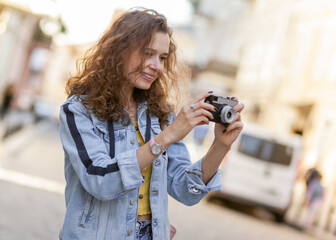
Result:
pixel 211 91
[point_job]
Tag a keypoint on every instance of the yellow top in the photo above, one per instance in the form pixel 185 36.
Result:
pixel 144 203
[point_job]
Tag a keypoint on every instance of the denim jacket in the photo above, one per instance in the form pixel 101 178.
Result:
pixel 101 192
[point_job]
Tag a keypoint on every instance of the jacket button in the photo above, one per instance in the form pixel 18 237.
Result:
pixel 157 163
pixel 129 232
pixel 132 141
pixel 154 192
pixel 132 202
pixel 140 196
pixel 155 223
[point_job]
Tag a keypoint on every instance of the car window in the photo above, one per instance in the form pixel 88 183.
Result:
pixel 250 145
pixel 282 154
pixel 265 150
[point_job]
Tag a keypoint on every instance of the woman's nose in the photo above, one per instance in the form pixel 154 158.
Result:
pixel 156 64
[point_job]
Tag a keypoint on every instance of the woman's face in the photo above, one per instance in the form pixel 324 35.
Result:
pixel 155 57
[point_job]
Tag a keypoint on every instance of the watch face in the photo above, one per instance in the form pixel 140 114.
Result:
pixel 156 150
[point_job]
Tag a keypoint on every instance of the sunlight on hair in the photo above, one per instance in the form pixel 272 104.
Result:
pixel 179 97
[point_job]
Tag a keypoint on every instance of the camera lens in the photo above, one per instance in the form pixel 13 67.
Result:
pixel 227 114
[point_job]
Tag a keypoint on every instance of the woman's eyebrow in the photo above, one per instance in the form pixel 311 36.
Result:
pixel 154 50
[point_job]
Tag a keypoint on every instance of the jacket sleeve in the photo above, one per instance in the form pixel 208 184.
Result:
pixel 101 176
pixel 185 178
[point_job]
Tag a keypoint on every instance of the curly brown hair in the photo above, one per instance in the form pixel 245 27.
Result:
pixel 101 77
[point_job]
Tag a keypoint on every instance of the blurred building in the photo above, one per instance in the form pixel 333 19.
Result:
pixel 279 58
pixel 26 32
pixel 64 59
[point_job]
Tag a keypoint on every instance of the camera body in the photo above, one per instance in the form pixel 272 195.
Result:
pixel 224 113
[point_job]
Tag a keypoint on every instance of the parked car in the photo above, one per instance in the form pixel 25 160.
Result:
pixel 261 169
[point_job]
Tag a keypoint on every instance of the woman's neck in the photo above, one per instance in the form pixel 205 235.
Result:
pixel 131 108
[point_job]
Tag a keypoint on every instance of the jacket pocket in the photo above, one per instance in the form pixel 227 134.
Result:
pixel 87 215
pixel 101 131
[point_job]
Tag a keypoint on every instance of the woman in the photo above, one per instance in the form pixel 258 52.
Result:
pixel 314 196
pixel 122 141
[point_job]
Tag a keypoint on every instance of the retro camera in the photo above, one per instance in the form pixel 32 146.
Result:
pixel 224 112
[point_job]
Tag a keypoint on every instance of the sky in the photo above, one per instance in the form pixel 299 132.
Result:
pixel 87 19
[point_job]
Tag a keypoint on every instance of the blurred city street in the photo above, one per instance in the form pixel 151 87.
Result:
pixel 276 57
pixel 32 203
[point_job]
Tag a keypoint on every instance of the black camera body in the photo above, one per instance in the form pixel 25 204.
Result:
pixel 224 113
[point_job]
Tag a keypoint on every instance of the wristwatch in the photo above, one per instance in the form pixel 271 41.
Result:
pixel 155 148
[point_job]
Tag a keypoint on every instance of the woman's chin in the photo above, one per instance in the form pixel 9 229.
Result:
pixel 144 87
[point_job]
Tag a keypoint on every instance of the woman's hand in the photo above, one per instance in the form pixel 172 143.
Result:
pixel 227 135
pixel 196 112
pixel 224 137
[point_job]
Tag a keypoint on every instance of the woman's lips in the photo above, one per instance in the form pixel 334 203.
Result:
pixel 148 77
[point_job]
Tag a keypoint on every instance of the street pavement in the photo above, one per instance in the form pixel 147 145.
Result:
pixel 32 183
pixel 32 201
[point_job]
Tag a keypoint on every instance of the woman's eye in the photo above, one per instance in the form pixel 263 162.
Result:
pixel 163 58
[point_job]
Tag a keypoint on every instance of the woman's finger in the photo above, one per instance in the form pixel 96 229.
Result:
pixel 234 125
pixel 239 107
pixel 194 106
pixel 202 105
pixel 237 117
pixel 202 112
pixel 201 120
pixel 201 97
